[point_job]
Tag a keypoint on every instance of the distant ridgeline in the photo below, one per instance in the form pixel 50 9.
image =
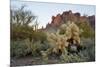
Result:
pixel 69 16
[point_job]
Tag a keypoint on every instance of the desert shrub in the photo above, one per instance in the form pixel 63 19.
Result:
pixel 19 49
pixel 39 36
pixel 44 57
pixel 37 47
pixel 26 47
pixel 71 58
pixel 88 31
pixel 86 55
pixel 89 52
pixel 21 32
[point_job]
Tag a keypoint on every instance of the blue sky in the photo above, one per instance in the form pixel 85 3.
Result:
pixel 44 11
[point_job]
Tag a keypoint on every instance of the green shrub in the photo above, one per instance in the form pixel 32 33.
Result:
pixel 37 47
pixel 90 49
pixel 39 36
pixel 20 32
pixel 88 31
pixel 85 55
pixel 25 47
pixel 19 48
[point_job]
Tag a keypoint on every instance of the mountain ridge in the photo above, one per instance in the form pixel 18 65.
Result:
pixel 70 16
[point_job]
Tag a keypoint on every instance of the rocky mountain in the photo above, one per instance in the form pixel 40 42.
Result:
pixel 70 16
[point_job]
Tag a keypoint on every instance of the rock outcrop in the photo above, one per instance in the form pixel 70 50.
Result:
pixel 70 16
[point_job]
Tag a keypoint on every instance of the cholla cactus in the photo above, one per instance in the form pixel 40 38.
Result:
pixel 58 41
pixel 72 31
